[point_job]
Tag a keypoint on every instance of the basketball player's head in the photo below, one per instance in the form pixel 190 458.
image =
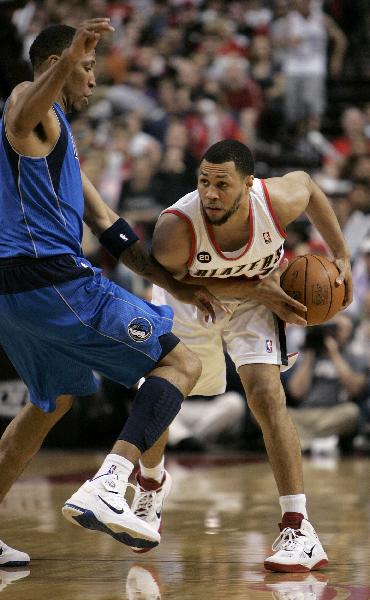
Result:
pixel 225 176
pixel 47 48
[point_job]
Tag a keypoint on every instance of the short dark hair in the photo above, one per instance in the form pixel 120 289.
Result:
pixel 52 40
pixel 231 150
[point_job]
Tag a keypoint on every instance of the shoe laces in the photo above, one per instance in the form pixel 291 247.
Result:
pixel 145 503
pixel 116 488
pixel 288 539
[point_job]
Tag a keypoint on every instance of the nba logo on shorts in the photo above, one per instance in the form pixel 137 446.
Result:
pixel 268 345
pixel 267 237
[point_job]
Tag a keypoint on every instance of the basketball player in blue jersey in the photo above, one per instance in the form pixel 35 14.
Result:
pixel 229 234
pixel 60 319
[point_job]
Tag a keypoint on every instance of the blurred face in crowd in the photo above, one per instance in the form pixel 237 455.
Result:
pixel 353 121
pixel 223 191
pixel 344 329
pixel 303 6
pixel 360 198
pixel 260 47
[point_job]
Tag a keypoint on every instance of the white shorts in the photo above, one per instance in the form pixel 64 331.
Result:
pixel 250 334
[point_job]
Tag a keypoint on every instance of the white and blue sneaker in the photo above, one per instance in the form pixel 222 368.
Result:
pixel 148 502
pixel 10 557
pixel 297 550
pixel 99 504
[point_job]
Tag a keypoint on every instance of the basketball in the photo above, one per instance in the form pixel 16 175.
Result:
pixel 310 279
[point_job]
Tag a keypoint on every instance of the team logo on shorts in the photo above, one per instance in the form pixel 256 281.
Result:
pixel 268 345
pixel 204 257
pixel 267 237
pixel 140 329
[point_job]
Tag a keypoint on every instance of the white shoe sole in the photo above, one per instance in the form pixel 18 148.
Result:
pixel 85 517
pixel 295 568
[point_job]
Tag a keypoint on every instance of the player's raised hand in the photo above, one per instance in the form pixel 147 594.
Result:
pixel 87 36
pixel 268 291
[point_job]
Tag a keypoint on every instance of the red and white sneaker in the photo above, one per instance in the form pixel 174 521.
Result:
pixel 298 548
pixel 148 501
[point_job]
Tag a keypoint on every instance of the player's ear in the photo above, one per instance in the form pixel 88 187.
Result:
pixel 51 60
pixel 249 181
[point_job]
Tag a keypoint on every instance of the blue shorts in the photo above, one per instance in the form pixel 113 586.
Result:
pixel 56 336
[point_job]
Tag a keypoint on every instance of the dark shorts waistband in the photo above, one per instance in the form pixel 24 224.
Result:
pixel 24 273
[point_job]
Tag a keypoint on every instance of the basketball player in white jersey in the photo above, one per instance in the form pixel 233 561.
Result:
pixel 229 235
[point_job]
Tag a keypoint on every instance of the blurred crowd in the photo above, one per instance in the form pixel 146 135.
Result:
pixel 291 79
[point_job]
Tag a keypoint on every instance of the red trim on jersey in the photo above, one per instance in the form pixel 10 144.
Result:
pixel 272 212
pixel 185 218
pixel 211 235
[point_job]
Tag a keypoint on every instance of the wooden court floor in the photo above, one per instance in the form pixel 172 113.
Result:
pixel 220 521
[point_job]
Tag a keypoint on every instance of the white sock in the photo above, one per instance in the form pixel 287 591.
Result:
pixel 155 473
pixel 115 464
pixel 295 503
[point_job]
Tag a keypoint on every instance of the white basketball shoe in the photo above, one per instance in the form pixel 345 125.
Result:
pixel 99 504
pixel 148 502
pixel 10 557
pixel 297 550
pixel 141 583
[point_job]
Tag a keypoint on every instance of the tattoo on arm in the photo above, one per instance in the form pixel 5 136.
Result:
pixel 136 259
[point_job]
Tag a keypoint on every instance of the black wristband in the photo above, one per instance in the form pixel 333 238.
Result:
pixel 118 238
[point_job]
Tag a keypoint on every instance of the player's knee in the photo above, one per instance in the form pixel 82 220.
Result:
pixel 265 401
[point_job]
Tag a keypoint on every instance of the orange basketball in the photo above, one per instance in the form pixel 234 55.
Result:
pixel 310 279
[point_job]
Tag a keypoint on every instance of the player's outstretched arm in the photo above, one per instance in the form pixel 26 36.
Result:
pixel 120 240
pixel 30 102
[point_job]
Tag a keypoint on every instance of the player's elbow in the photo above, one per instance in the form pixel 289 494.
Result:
pixel 17 127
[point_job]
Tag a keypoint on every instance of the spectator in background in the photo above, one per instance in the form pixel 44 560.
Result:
pixel 326 382
pixel 210 419
pixel 13 67
pixel 359 347
pixel 137 202
pixel 240 94
pixel 361 279
pixel 209 123
pixel 305 40
pixel 267 73
pixel 353 141
pixel 356 227
pixel 176 174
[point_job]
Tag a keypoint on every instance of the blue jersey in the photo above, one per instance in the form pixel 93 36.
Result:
pixel 41 199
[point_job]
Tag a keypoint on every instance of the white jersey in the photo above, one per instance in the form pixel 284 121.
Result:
pixel 250 332
pixel 258 257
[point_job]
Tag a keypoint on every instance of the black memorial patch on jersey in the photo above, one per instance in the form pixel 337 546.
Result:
pixel 204 257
